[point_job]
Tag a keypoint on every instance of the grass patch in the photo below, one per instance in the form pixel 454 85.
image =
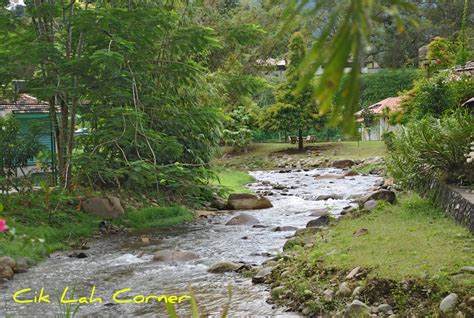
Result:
pixel 409 239
pixel 259 156
pixel 367 168
pixel 154 217
pixel 42 230
pixel 233 180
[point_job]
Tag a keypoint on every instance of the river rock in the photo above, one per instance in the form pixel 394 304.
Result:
pixel 384 308
pixel 356 292
pixel 343 163
pixel 104 208
pixel 321 221
pixel 351 173
pixel 223 267
pixel 468 269
pixel 344 290
pixel 386 195
pixel 357 309
pixel 448 303
pixel 319 212
pixel 6 272
pixel 353 273
pixel 218 203
pixel 284 228
pixel 324 197
pixel 174 256
pixel 8 261
pixel 262 275
pixel 247 201
pixel 328 294
pixel 370 205
pixel 243 219
pixel 22 264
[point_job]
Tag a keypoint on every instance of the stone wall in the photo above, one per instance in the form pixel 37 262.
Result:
pixel 457 202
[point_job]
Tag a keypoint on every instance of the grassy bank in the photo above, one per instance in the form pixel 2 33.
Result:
pixel 411 243
pixel 41 228
pixel 233 180
pixel 260 156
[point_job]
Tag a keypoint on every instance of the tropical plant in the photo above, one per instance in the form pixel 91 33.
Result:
pixel 433 149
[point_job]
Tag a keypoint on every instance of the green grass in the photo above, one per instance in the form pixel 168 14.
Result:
pixel 154 217
pixel 259 155
pixel 404 240
pixel 233 180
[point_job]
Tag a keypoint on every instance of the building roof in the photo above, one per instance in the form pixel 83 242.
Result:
pixel 24 103
pixel 391 104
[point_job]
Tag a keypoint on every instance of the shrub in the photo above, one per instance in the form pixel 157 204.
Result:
pixel 433 149
pixel 387 138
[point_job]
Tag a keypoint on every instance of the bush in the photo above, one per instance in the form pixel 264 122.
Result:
pixel 433 149
pixel 387 138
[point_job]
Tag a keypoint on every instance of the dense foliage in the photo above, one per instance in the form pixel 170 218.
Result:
pixel 433 149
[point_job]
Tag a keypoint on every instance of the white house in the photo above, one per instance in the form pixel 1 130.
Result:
pixel 381 122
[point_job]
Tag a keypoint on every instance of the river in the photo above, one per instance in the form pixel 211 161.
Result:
pixel 124 261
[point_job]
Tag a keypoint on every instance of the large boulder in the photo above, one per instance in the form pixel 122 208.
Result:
pixel 247 201
pixel 243 219
pixel 218 203
pixel 104 208
pixel 223 267
pixel 343 163
pixel 8 261
pixel 174 256
pixel 6 272
pixel 386 195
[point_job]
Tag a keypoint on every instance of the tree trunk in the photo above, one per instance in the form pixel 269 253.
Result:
pixel 300 140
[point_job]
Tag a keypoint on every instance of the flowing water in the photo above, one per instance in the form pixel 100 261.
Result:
pixel 124 261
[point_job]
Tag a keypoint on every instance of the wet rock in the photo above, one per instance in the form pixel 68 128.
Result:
pixel 243 219
pixel 6 272
pixel 351 173
pixel 360 232
pixel 202 214
pixel 245 237
pixel 284 228
pixel 262 275
pixel 324 197
pixel 247 201
pixel 370 205
pixel 357 309
pixel 328 176
pixel 448 303
pixel 259 226
pixel 353 273
pixel 174 256
pixel 384 308
pixel 224 267
pixel 22 264
pixel 279 187
pixel 328 294
pixel 319 212
pixel 386 195
pixel 321 221
pixel 344 290
pixel 8 261
pixel 105 208
pixel 343 163
pixel 78 255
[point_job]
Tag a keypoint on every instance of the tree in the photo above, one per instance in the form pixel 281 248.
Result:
pixel 292 110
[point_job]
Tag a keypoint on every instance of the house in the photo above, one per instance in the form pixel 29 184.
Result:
pixel 30 111
pixel 381 122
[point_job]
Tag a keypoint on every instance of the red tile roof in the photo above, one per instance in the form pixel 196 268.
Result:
pixel 391 103
pixel 24 103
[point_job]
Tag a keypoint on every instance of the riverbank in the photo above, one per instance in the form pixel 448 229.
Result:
pixel 401 259
pixel 268 156
pixel 39 228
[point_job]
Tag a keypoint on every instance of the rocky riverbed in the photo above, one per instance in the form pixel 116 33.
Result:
pixel 208 255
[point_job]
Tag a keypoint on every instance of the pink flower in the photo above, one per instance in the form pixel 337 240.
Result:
pixel 3 225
